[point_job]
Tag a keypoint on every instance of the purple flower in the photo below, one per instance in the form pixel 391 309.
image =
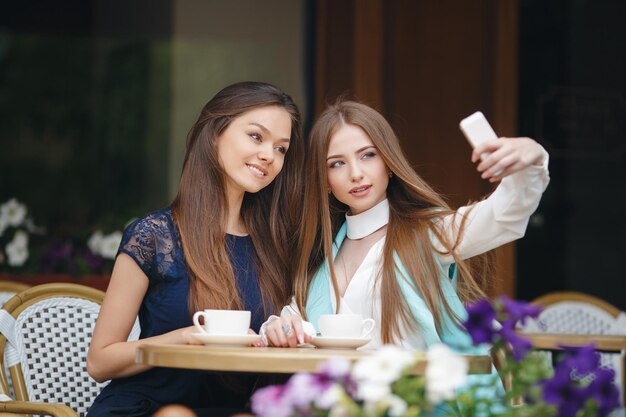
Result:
pixel 560 391
pixel 270 402
pixel 479 323
pixel 92 260
pixel 519 345
pixel 302 389
pixel 604 391
pixel 55 255
pixel 583 359
pixel 338 370
pixel 519 311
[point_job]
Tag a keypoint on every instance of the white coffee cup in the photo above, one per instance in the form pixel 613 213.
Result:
pixel 223 322
pixel 345 325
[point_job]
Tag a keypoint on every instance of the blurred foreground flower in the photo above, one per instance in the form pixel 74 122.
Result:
pixel 381 385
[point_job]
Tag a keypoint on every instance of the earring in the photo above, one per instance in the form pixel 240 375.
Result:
pixel 390 174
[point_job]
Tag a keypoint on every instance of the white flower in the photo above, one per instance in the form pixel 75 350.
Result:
pixel 446 371
pixel 340 410
pixel 95 242
pixel 396 405
pixel 17 249
pixel 380 400
pixel 110 244
pixel 384 367
pixel 330 397
pixel 375 374
pixel 373 392
pixel 13 212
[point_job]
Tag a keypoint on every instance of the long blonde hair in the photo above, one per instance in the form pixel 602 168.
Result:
pixel 270 215
pixel 415 210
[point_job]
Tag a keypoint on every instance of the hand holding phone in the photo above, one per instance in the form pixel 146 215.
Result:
pixel 477 130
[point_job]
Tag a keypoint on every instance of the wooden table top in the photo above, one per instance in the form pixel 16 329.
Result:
pixel 264 360
pixel 553 340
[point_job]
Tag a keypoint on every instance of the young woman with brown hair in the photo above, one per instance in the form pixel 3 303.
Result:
pixel 377 240
pixel 224 243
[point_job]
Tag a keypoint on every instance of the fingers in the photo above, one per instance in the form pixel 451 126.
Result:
pixel 258 343
pixel 498 166
pixel 285 332
pixel 485 148
pixel 506 156
pixel 277 337
pixel 298 330
pixel 187 339
pixel 496 161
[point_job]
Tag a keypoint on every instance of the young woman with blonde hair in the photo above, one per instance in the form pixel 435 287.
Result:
pixel 377 240
pixel 224 243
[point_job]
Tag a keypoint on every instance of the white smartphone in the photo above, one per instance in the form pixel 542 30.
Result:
pixel 477 129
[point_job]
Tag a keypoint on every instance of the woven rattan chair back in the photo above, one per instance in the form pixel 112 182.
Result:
pixel 52 331
pixel 583 314
pixel 577 313
pixel 7 290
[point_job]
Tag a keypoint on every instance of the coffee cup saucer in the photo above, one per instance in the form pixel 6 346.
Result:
pixel 340 342
pixel 226 339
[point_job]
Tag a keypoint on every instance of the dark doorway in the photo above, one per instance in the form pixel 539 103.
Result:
pixel 573 99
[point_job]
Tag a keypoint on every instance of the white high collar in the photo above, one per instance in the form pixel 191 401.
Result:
pixel 366 223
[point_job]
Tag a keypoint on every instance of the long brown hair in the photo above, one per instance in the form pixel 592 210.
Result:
pixel 200 208
pixel 415 210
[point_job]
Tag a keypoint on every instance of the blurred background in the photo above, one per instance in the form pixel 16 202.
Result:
pixel 96 98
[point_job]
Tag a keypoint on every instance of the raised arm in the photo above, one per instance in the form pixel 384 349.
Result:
pixel 521 164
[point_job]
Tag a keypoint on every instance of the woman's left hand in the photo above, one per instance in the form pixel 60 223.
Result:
pixel 506 156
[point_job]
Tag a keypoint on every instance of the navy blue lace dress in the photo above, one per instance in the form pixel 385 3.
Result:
pixel 153 242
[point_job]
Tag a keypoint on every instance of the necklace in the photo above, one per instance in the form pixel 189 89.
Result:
pixel 366 223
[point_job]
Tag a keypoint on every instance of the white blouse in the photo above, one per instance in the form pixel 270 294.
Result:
pixel 501 218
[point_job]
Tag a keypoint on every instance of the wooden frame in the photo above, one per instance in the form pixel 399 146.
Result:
pixel 12 286
pixel 28 407
pixel 564 296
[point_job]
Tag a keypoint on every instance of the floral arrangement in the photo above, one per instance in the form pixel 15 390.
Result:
pixel 381 385
pixel 26 248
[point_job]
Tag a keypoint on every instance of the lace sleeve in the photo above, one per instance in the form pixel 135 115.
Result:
pixel 138 242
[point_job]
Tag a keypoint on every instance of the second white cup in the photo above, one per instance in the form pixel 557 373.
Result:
pixel 345 325
pixel 223 322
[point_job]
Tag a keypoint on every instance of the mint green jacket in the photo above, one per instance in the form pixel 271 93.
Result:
pixel 319 302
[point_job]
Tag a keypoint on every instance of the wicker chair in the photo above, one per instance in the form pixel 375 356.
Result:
pixel 9 288
pixel 46 345
pixel 583 314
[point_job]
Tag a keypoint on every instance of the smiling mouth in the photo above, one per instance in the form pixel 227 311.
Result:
pixel 361 189
pixel 259 172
